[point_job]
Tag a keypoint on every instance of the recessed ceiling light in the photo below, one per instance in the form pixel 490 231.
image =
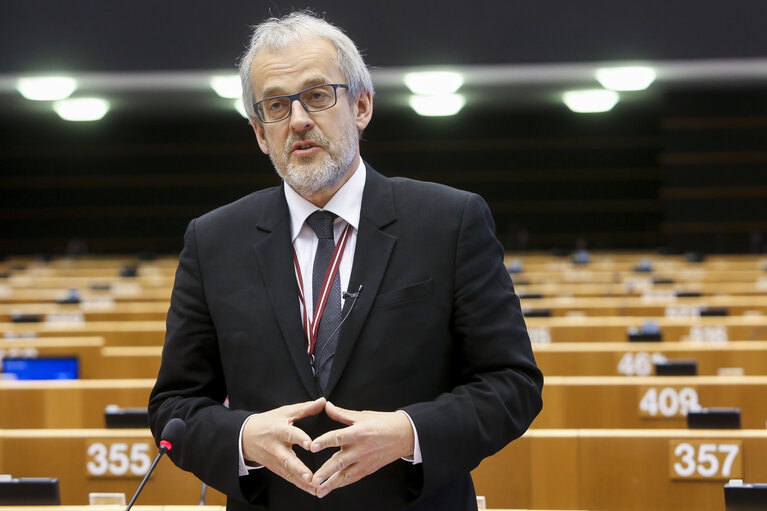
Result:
pixel 433 106
pixel 81 109
pixel 433 83
pixel 590 101
pixel 46 88
pixel 626 78
pixel 227 86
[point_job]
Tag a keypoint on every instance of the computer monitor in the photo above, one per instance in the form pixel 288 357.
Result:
pixel 30 491
pixel 714 418
pixel 676 368
pixel 116 417
pixel 745 497
pixel 42 368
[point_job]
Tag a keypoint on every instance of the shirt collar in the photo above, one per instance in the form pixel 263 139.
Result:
pixel 346 203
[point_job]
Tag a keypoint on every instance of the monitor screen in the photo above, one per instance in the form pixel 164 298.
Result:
pixel 30 491
pixel 44 368
pixel 745 497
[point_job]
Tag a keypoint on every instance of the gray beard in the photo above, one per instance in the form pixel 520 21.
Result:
pixel 327 173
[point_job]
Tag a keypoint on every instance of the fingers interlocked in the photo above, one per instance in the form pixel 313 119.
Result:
pixel 370 441
pixel 268 438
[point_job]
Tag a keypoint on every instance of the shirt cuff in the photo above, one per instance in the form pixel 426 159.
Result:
pixel 244 468
pixel 416 458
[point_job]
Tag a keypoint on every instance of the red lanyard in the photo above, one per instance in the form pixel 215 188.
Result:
pixel 312 325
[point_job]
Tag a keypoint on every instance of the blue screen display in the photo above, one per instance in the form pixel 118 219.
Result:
pixel 41 368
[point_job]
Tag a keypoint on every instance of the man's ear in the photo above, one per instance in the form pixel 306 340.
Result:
pixel 363 108
pixel 258 128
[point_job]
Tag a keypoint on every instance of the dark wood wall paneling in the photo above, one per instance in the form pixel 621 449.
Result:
pixel 715 170
pixel 685 172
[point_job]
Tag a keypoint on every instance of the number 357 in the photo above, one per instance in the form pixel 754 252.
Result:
pixel 705 460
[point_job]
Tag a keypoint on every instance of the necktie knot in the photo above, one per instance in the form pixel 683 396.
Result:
pixel 321 223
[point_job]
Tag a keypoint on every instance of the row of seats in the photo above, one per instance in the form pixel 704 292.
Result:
pixel 609 436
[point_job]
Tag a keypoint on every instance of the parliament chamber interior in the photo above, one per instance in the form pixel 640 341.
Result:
pixel 635 235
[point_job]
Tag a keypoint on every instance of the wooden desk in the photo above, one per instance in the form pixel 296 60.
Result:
pixel 569 401
pixel 662 306
pixel 86 349
pixel 64 453
pixel 84 282
pixel 112 508
pixel 627 261
pixel 619 470
pixel 132 293
pixel 681 276
pixel 96 360
pixel 115 333
pixel 619 289
pixel 68 403
pixel 617 401
pixel 636 358
pixel 615 329
pixel 106 311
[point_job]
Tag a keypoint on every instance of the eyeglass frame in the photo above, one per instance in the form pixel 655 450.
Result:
pixel 297 97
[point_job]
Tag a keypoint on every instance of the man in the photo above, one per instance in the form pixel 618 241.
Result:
pixel 383 396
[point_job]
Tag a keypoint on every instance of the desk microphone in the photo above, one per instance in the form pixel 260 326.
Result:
pixel 172 436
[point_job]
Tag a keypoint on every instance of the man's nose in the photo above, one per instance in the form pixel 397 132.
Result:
pixel 300 119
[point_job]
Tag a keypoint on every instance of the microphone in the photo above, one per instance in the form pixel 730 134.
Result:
pixel 172 437
pixel 346 295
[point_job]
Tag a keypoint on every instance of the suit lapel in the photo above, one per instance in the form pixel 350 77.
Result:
pixel 275 259
pixel 371 257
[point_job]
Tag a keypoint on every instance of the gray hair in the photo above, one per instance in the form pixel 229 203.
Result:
pixel 277 33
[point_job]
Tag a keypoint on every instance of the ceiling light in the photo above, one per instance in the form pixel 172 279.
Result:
pixel 433 106
pixel 590 101
pixel 432 83
pixel 82 109
pixel 46 88
pixel 626 78
pixel 241 109
pixel 227 86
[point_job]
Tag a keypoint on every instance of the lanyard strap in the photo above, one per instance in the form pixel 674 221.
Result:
pixel 312 325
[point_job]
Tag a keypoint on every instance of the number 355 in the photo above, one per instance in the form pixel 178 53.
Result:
pixel 118 459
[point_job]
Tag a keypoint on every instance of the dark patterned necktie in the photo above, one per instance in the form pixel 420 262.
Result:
pixel 321 223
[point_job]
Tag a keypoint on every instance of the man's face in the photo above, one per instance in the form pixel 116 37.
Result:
pixel 312 152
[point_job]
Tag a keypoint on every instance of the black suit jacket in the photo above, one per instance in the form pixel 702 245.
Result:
pixel 436 331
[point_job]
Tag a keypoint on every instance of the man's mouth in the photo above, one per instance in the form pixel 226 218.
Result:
pixel 304 147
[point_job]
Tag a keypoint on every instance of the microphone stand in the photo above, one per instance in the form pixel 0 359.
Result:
pixel 163 450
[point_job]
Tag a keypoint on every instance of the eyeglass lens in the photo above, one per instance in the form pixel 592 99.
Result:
pixel 317 98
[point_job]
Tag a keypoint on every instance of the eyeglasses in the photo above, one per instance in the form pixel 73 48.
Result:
pixel 313 99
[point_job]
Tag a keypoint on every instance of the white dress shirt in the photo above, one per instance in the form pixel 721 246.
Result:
pixel 346 204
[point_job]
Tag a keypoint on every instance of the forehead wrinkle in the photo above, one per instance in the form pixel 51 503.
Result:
pixel 295 67
pixel 307 83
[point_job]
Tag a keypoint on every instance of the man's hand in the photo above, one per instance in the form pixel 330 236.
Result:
pixel 372 440
pixel 268 437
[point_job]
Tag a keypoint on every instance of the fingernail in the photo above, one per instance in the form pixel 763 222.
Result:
pixel 306 478
pixel 319 481
pixel 315 447
pixel 305 445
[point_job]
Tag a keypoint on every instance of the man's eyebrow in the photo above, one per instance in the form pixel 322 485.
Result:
pixel 279 91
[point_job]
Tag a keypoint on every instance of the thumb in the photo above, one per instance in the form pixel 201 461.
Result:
pixel 301 410
pixel 339 414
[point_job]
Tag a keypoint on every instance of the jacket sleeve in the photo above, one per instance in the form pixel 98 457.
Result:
pixel 191 385
pixel 499 389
